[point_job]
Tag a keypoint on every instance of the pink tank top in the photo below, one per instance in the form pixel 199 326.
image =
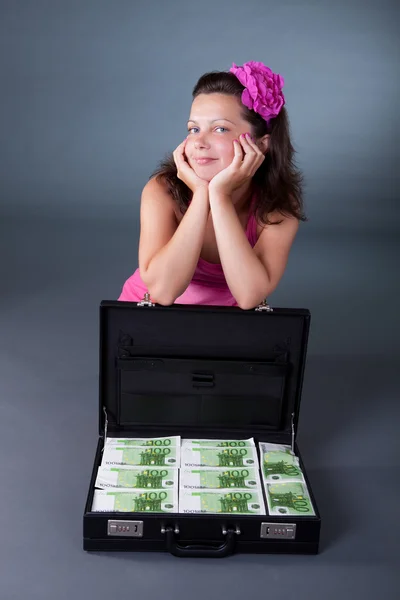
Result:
pixel 208 285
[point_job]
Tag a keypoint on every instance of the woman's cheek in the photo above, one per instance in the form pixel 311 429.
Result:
pixel 226 153
pixel 189 150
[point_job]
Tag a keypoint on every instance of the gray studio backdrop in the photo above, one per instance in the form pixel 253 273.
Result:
pixel 92 95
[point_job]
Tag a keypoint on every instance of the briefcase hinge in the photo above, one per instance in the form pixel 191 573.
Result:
pixel 105 427
pixel 293 433
pixel 264 307
pixel 146 301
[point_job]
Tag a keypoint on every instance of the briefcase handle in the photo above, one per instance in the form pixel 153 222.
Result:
pixel 200 550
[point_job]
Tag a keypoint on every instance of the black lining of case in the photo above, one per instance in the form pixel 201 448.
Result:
pixel 204 360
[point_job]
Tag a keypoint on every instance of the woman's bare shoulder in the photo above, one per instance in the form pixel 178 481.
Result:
pixel 277 218
pixel 156 194
pixel 157 202
pixel 156 189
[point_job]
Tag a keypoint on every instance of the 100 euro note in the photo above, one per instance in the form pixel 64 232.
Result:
pixel 136 477
pixel 278 463
pixel 213 502
pixel 269 447
pixel 152 456
pixel 127 500
pixel 219 457
pixel 218 443
pixel 203 478
pixel 290 498
pixel 160 441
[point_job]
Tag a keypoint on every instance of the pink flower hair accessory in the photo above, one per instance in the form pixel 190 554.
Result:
pixel 263 88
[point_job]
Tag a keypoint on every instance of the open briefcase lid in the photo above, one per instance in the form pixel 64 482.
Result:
pixel 201 370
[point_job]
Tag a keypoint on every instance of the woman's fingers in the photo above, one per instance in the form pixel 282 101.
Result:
pixel 238 154
pixel 249 146
pixel 256 149
pixel 253 155
pixel 179 154
pixel 179 150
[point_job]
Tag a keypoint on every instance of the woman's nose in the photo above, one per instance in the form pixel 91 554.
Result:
pixel 201 142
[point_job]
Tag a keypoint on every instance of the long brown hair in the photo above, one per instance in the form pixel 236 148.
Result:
pixel 277 182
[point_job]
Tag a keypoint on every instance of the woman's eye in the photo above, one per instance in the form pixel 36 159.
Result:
pixel 220 127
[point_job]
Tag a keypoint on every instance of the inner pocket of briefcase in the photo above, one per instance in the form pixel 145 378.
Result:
pixel 187 392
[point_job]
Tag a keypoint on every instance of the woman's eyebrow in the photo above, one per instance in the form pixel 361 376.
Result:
pixel 213 121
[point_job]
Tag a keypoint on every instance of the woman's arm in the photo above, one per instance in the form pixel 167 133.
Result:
pixel 251 273
pixel 168 250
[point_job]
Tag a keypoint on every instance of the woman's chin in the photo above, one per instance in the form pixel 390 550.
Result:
pixel 206 173
pixel 205 177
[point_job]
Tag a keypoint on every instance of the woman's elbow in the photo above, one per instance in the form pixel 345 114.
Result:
pixel 163 300
pixel 252 301
pixel 246 304
pixel 158 293
pixel 160 296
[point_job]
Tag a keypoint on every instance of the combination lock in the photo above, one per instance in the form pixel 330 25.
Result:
pixel 125 528
pixel 278 531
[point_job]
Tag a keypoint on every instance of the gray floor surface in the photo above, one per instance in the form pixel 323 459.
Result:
pixel 53 276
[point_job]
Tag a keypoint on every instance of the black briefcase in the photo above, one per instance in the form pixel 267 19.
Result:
pixel 200 372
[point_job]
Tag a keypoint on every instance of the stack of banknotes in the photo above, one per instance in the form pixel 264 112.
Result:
pixel 138 475
pixel 220 476
pixel 284 484
pixel 200 476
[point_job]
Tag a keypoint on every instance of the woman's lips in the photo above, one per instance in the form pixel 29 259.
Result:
pixel 204 161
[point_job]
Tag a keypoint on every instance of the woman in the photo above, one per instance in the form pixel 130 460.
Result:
pixel 219 216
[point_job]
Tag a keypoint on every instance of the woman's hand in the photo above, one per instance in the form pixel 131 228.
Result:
pixel 247 159
pixel 185 172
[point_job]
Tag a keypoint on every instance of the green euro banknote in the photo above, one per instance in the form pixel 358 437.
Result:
pixel 219 457
pixel 279 465
pixel 210 479
pixel 136 477
pixel 160 441
pixel 289 499
pixel 266 447
pixel 152 456
pixel 209 501
pixel 152 501
pixel 218 443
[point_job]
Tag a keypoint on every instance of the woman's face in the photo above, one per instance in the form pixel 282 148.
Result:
pixel 215 121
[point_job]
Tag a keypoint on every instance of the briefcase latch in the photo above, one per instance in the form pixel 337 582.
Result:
pixel 278 531
pixel 125 528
